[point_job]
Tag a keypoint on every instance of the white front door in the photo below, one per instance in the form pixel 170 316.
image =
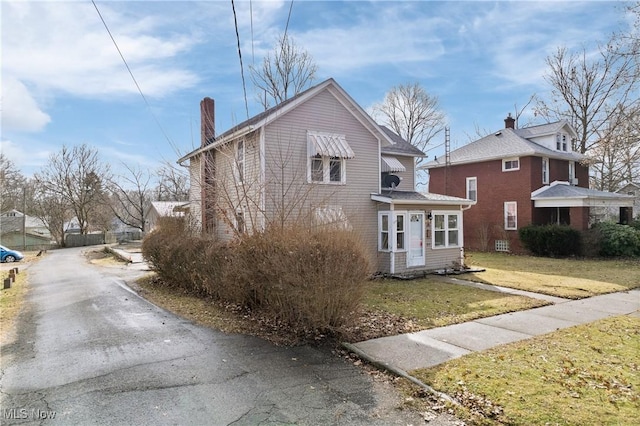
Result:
pixel 415 256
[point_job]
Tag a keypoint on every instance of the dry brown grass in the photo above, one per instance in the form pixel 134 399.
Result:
pixel 570 278
pixel 10 302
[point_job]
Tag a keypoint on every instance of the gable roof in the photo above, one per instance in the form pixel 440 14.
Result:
pixel 507 143
pixel 273 113
pixel 546 129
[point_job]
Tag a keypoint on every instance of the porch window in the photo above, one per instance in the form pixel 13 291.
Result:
pixel 510 215
pixel 472 188
pixel 446 229
pixel 383 225
pixel 391 231
pixel 510 164
pixel 400 232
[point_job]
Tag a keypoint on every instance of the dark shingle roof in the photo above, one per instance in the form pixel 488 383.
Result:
pixel 400 146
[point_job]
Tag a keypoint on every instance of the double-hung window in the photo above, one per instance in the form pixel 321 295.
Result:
pixel 572 172
pixel 472 188
pixel 446 229
pixel 545 171
pixel 327 158
pixel 510 215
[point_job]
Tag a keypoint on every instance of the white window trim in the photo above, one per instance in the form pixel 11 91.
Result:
pixel 545 170
pixel 326 171
pixel 506 210
pixel 393 230
pixel 446 229
pixel 472 179
pixel 507 160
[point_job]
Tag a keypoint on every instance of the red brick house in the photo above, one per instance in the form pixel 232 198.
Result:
pixel 519 177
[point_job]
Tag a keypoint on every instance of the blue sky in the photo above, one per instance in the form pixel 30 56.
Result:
pixel 64 83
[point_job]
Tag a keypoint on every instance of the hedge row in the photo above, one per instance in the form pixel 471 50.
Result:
pixel 310 282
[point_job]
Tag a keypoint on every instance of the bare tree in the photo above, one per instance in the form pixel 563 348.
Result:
pixel 77 177
pixel 585 90
pixel 130 196
pixel 413 114
pixel 12 184
pixel 173 184
pixel 618 151
pixel 285 71
pixel 52 209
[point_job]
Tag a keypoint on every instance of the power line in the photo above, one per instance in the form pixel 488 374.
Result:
pixel 244 86
pixel 134 78
pixel 286 28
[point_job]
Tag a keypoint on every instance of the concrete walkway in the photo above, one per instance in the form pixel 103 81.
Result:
pixel 431 347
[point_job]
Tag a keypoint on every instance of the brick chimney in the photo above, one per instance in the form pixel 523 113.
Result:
pixel 509 122
pixel 207 121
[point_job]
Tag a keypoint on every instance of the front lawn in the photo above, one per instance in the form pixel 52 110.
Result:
pixel 430 302
pixel 570 278
pixel 583 375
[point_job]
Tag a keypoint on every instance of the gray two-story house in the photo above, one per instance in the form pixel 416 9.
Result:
pixel 319 159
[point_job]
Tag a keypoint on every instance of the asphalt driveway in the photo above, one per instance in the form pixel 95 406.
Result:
pixel 90 351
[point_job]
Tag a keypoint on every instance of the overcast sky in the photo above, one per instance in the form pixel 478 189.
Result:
pixel 64 82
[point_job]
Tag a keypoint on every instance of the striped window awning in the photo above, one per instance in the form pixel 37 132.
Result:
pixel 392 164
pixel 328 145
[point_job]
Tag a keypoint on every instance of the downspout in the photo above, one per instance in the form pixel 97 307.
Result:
pixel 263 190
pixel 463 209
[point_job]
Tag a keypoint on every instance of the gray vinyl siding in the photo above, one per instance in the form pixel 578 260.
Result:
pixel 408 177
pixel 286 166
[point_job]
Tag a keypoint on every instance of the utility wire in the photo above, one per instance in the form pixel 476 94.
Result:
pixel 134 79
pixel 286 28
pixel 244 86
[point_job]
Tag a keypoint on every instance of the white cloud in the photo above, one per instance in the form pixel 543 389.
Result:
pixel 20 111
pixel 27 157
pixel 64 47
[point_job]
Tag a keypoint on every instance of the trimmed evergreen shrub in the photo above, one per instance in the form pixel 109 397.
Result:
pixel 551 240
pixel 617 240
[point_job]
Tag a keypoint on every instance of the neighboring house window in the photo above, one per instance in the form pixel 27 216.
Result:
pixel 472 188
pixel 564 142
pixel 510 164
pixel 510 215
pixel 446 229
pixel 327 157
pixel 240 153
pixel 391 226
pixel 572 172
pixel 558 142
pixel 545 171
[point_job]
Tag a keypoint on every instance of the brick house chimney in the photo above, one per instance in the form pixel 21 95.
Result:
pixel 207 121
pixel 509 122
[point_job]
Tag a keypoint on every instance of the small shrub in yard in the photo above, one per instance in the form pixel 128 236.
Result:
pixel 617 240
pixel 551 240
